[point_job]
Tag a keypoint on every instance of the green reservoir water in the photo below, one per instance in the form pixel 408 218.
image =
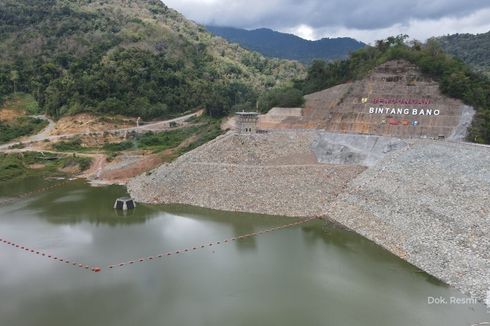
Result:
pixel 314 274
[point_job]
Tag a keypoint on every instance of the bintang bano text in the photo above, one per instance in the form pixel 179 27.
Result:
pixel 401 111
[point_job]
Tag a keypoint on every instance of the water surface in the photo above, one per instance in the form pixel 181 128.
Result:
pixel 314 274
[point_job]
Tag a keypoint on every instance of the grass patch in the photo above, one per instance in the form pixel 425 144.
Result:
pixel 13 166
pixel 82 162
pixel 158 142
pixel 118 147
pixel 21 126
pixel 71 145
pixel 205 134
pixel 161 141
pixel 22 102
pixel 155 142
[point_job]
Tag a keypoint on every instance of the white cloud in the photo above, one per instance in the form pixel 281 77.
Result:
pixel 478 22
pixel 304 31
pixel 361 19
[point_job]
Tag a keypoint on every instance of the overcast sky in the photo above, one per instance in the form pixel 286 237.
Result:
pixel 365 20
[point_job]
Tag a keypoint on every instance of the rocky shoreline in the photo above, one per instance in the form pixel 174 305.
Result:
pixel 428 203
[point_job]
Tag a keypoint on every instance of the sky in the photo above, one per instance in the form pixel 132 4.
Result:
pixel 365 20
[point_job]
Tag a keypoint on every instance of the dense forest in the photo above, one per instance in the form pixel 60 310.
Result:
pixel 135 57
pixel 287 46
pixel 456 79
pixel 472 49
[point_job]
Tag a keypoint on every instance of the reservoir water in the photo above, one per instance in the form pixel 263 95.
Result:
pixel 313 274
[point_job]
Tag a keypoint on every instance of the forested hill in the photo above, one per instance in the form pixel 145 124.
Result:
pixel 134 57
pixel 287 46
pixel 472 49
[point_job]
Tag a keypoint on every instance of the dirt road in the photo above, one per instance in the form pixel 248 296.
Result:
pixel 44 134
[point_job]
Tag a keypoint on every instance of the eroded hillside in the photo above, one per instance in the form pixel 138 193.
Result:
pixel 396 99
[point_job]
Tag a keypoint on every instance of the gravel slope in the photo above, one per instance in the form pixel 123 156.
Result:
pixel 276 174
pixel 430 205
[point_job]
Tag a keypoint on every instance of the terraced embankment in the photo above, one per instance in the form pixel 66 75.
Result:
pixel 275 174
pixel 426 201
pixel 293 173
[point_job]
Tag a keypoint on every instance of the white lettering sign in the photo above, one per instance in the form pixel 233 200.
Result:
pixel 401 111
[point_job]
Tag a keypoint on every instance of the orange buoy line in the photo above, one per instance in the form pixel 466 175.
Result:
pixel 52 257
pixel 38 252
pixel 97 269
pixel 207 245
pixel 30 193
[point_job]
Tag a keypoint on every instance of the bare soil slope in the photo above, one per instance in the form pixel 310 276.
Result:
pixel 416 106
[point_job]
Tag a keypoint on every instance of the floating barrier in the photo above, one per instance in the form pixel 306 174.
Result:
pixel 208 244
pixel 52 257
pixel 97 269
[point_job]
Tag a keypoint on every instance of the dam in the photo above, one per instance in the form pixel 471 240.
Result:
pixel 380 156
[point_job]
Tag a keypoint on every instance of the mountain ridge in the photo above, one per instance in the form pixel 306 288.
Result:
pixel 135 57
pixel 473 49
pixel 288 46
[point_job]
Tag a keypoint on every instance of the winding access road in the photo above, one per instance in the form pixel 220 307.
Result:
pixel 44 135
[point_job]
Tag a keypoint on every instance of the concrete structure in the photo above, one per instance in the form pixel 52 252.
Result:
pixel 124 203
pixel 247 122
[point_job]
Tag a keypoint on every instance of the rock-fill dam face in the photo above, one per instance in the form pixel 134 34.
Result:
pixel 396 99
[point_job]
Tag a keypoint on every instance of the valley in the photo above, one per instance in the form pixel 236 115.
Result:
pixel 154 173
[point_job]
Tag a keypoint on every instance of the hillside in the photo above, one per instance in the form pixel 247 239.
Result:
pixel 136 58
pixel 472 49
pixel 417 109
pixel 453 78
pixel 287 46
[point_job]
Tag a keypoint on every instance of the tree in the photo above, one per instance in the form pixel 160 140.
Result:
pixel 14 77
pixel 280 97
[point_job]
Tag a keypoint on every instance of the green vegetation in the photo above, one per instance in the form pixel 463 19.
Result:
pixel 472 49
pixel 82 162
pixel 21 102
pixel 205 134
pixel 118 147
pixel 21 126
pixel 14 166
pixel 137 58
pixel 455 78
pixel 180 140
pixel 70 145
pixel 280 97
